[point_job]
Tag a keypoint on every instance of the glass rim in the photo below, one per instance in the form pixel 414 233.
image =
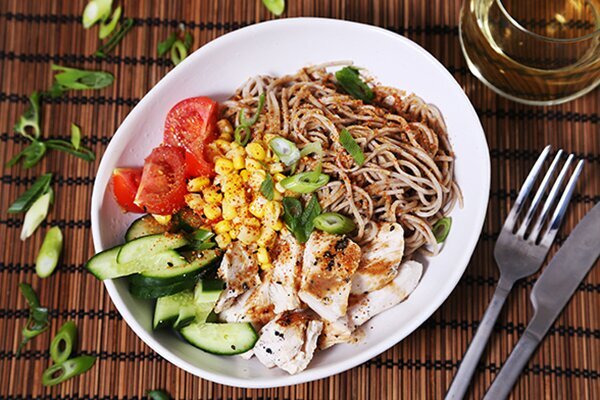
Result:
pixel 518 25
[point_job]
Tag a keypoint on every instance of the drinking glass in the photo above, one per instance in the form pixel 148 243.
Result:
pixel 539 52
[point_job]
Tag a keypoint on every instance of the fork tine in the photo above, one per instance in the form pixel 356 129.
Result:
pixel 511 219
pixel 537 198
pixel 561 207
pixel 551 199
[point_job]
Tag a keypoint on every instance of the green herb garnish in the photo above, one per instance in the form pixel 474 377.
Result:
pixel 179 45
pixel 299 221
pixel 164 46
pixel 441 229
pixel 352 147
pixel 275 6
pixel 348 78
pixel 178 52
pixel 267 187
pixel 37 322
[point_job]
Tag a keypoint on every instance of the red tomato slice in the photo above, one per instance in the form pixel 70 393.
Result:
pixel 162 188
pixel 191 124
pixel 125 183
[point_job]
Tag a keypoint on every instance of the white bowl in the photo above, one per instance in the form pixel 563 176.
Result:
pixel 282 47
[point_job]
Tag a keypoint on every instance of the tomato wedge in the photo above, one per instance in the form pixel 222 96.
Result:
pixel 191 124
pixel 125 183
pixel 162 187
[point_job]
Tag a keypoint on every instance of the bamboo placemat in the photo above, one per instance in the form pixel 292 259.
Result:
pixel 35 33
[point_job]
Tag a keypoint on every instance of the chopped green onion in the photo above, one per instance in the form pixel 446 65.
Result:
pixel 306 224
pixel 75 136
pixel 312 148
pixel 334 223
pixel 188 40
pixel 115 39
pixel 202 235
pixel 83 152
pixel 96 10
pixel 252 121
pixel 64 342
pixel 267 187
pixel 30 119
pixel 24 201
pixel 349 79
pixel 352 147
pixel 79 79
pixel 37 322
pixel 237 134
pixel 442 228
pixel 164 46
pixel 157 395
pixel 36 214
pixel 292 210
pixel 107 28
pixel 59 373
pixel 275 6
pixel 305 182
pixel 178 52
pixel 47 258
pixel 286 150
pixel 31 155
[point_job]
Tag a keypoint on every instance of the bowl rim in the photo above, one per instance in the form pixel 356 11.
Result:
pixel 309 374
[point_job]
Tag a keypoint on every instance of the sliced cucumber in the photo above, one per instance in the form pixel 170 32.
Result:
pixel 208 291
pixel 154 292
pixel 166 311
pixel 104 265
pixel 222 339
pixel 187 315
pixel 176 273
pixel 144 226
pixel 147 247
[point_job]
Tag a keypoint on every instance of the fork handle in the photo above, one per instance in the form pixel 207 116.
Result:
pixel 467 367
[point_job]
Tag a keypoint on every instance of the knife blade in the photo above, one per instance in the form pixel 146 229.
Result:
pixel 552 291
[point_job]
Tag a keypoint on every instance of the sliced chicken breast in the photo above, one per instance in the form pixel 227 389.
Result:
pixel 364 307
pixel 327 268
pixel 239 270
pixel 285 276
pixel 335 332
pixel 253 306
pixel 288 341
pixel 380 259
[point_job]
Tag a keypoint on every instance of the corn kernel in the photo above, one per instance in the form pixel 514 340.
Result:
pixel 256 151
pixel 278 177
pixel 251 221
pixel 278 226
pixel 279 188
pixel 272 212
pixel 223 166
pixel 277 196
pixel 212 211
pixel 253 165
pixel 235 230
pixel 245 175
pixel 212 195
pixel 256 179
pixel 222 145
pixel 239 162
pixel 229 211
pixel 266 267
pixel 197 184
pixel 267 236
pixel 222 227
pixel 257 206
pixel 262 255
pixel 225 136
pixel 275 167
pixel 224 126
pixel 223 240
pixel 194 201
pixel 248 234
pixel 162 219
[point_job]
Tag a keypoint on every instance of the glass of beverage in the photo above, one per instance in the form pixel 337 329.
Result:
pixel 539 52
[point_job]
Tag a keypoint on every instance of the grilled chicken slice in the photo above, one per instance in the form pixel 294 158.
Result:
pixel 253 306
pixel 239 270
pixel 380 259
pixel 335 332
pixel 327 268
pixel 285 275
pixel 289 341
pixel 363 307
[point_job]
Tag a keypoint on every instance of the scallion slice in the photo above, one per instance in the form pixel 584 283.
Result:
pixel 107 28
pixel 64 342
pixel 335 223
pixel 252 121
pixel 349 79
pixel 277 7
pixel 59 373
pixel 96 10
pixel 36 214
pixel 442 228
pixel 286 150
pixel 75 136
pixel 24 201
pixel 157 395
pixel 178 52
pixel 47 258
pixel 305 182
pixel 37 322
pixel 352 147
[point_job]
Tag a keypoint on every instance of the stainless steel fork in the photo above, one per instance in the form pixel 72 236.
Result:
pixel 520 250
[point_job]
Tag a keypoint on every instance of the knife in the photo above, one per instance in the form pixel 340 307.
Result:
pixel 549 296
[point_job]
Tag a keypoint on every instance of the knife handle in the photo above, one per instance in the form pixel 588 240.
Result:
pixel 512 368
pixel 467 366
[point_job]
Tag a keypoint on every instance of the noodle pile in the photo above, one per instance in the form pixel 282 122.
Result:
pixel 408 173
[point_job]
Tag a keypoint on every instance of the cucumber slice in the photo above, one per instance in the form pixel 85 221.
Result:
pixel 208 291
pixel 187 315
pixel 148 246
pixel 222 339
pixel 154 292
pixel 104 265
pixel 166 311
pixel 176 273
pixel 144 226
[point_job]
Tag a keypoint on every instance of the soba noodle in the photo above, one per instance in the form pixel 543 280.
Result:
pixel 408 173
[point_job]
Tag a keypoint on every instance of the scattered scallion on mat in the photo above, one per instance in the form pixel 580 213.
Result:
pixel 59 373
pixel 28 124
pixel 64 342
pixel 75 136
pixel 164 46
pixel 49 253
pixel 157 395
pixel 106 28
pixel 348 78
pixel 442 228
pixel 96 11
pixel 79 79
pixel 178 43
pixel 277 7
pixel 36 214
pixel 37 322
pixel 115 39
pixel 352 147
pixel 24 201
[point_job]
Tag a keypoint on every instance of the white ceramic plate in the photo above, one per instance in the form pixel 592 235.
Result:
pixel 282 47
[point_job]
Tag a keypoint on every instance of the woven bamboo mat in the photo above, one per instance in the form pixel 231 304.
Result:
pixel 34 33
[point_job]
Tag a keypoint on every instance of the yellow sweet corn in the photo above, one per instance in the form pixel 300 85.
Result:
pixel 277 196
pixel 228 212
pixel 222 145
pixel 257 206
pixel 194 201
pixel 256 151
pixel 223 166
pixel 212 211
pixel 279 188
pixel 224 126
pixel 253 165
pixel 256 179
pixel 248 234
pixel 212 195
pixel 262 256
pixel 197 184
pixel 239 162
pixel 225 136
pixel 278 226
pixel 272 213
pixel 276 167
pixel 223 240
pixel 278 177
pixel 162 219
pixel 267 236
pixel 245 175
pixel 222 227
